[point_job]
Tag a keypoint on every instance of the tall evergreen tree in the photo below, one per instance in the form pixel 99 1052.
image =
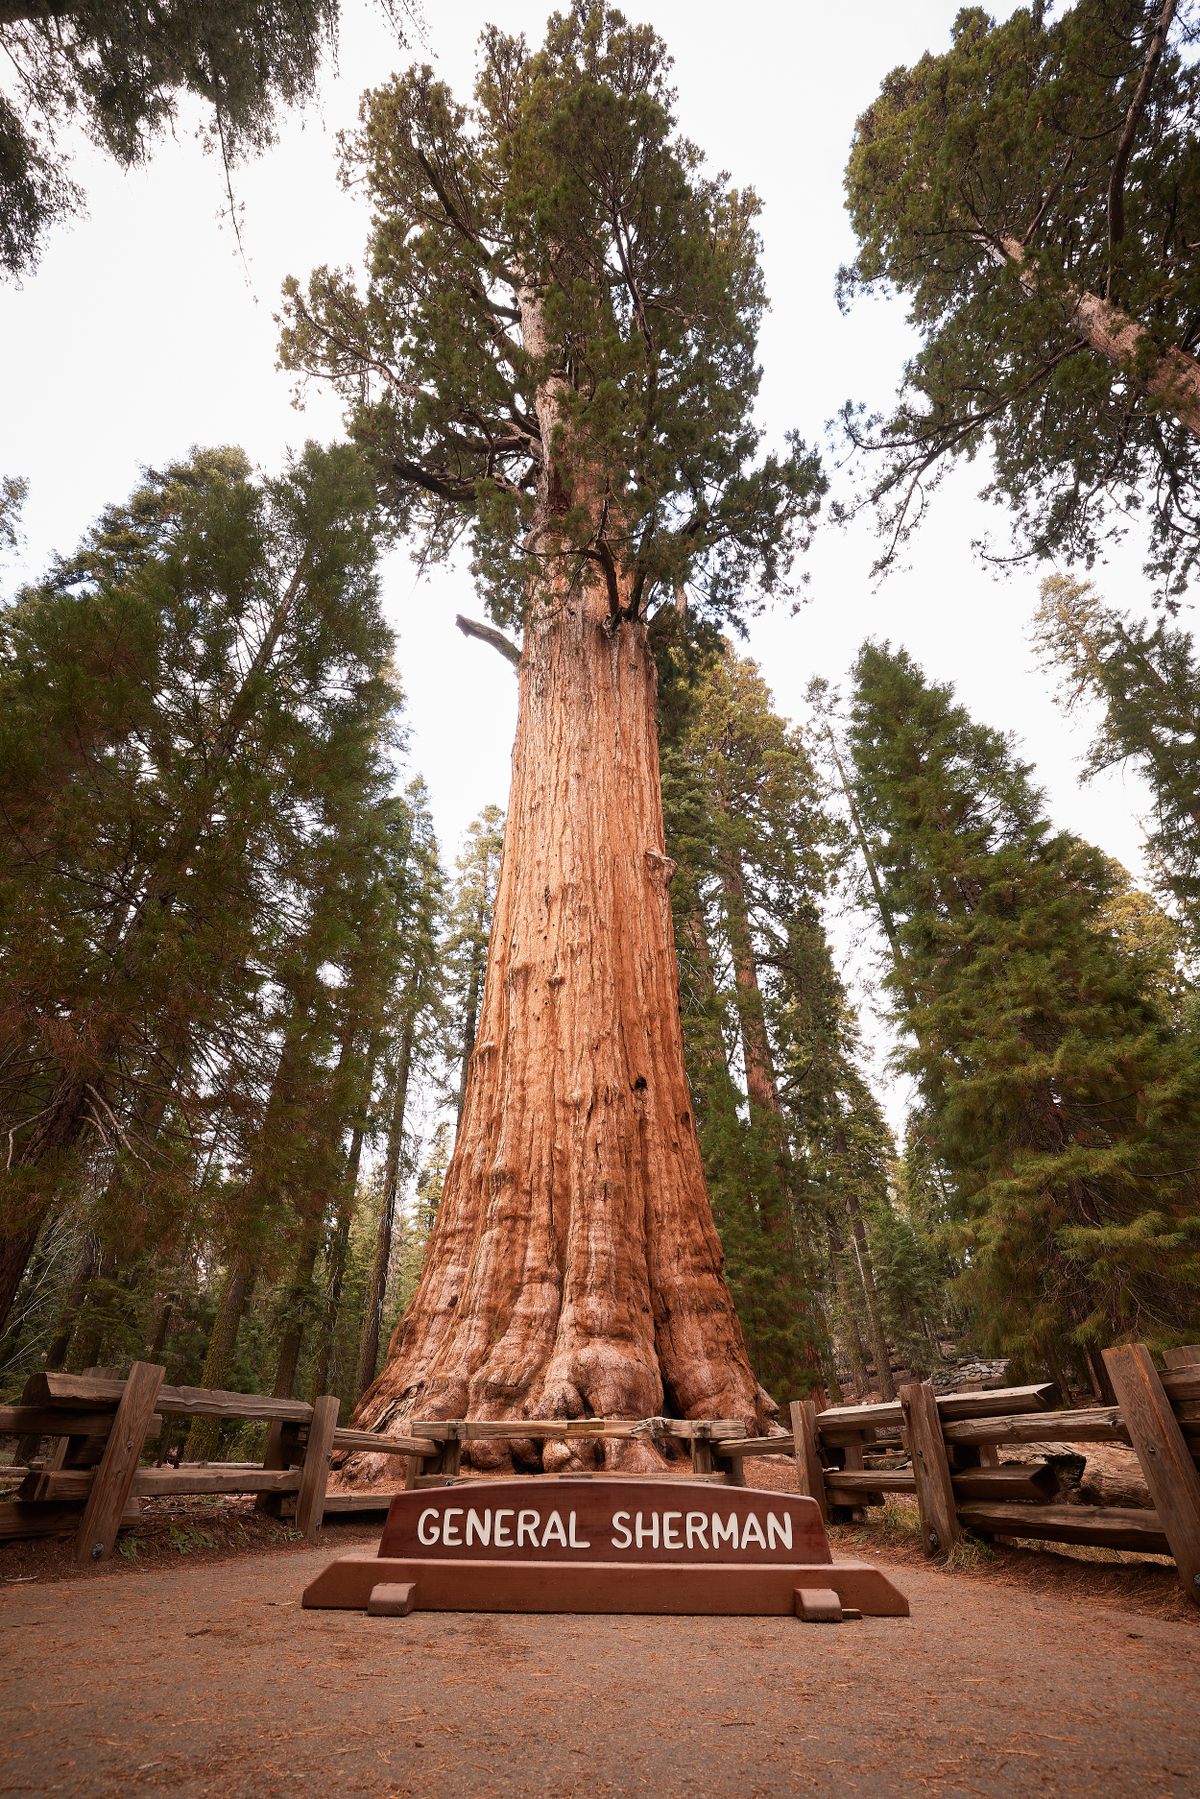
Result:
pixel 1065 1108
pixel 555 351
pixel 1035 192
pixel 197 676
pixel 1146 677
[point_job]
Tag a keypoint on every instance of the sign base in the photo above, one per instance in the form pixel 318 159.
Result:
pixel 697 1590
pixel 605 1545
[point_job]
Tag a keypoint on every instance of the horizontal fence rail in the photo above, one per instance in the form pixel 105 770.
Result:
pixel 97 1426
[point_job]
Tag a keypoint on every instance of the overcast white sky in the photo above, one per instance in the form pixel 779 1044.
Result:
pixel 143 333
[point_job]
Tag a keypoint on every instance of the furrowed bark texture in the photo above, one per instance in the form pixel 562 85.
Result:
pixel 575 1268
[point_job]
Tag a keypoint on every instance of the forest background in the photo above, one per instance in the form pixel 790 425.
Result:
pixel 175 345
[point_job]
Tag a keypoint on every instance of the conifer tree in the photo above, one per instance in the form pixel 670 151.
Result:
pixel 1063 1105
pixel 1146 677
pixel 555 352
pixel 1035 193
pixel 176 674
pixel 469 925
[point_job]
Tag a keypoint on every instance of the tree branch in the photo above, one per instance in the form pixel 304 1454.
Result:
pixel 1133 118
pixel 471 627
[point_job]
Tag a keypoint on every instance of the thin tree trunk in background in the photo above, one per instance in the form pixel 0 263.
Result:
pixel 372 1322
pixel 204 1437
pixel 852 1336
pixel 325 1374
pixel 88 1339
pixel 86 1267
pixel 866 1274
pixel 470 1021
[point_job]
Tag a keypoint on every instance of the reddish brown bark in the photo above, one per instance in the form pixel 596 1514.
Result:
pixel 575 1268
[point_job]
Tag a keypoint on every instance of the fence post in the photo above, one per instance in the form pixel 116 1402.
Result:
pixel 1166 1462
pixel 702 1455
pixel 310 1500
pixel 931 1468
pixel 113 1479
pixel 810 1475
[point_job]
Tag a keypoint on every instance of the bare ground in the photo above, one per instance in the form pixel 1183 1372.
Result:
pixel 192 1669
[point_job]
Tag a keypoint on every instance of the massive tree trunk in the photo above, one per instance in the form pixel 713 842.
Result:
pixel 574 1268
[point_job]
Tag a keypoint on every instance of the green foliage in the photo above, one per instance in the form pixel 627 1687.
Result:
pixel 1057 1095
pixel 559 324
pixel 1147 680
pixel 995 184
pixel 120 69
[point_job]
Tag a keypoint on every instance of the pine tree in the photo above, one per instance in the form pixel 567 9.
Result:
pixel 1147 679
pixel 555 351
pixel 470 924
pixel 1063 1105
pixel 1035 193
pixel 177 674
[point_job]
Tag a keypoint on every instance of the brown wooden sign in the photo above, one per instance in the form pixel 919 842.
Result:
pixel 603 1545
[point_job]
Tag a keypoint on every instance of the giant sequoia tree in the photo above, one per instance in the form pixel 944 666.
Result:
pixel 555 353
pixel 1035 193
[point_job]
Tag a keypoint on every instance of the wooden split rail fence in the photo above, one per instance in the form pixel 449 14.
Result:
pixel 92 1477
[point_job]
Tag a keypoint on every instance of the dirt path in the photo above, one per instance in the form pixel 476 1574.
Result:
pixel 211 1680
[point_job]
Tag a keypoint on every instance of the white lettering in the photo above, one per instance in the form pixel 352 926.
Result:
pixel 724 1530
pixel 450 1534
pixel 696 1526
pixel 646 1532
pixel 671 1538
pixel 479 1528
pixel 779 1530
pixel 554 1531
pixel 752 1532
pixel 501 1539
pixel 620 1522
pixel 576 1541
pixel 428 1533
pixel 527 1523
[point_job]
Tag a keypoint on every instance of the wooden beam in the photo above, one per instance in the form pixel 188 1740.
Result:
pixel 1166 1461
pixel 931 1470
pixel 380 1445
pixel 113 1481
pixel 207 1477
pixel 52 1388
pixel 48 1421
pixel 950 1406
pixel 810 1475
pixel 493 1430
pixel 1094 1424
pixel 310 1500
pixel 20 1520
pixel 1112 1527
pixel 1187 1357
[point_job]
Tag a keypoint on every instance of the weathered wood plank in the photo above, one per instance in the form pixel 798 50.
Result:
pixel 810 1475
pixel 926 1447
pixel 52 1388
pixel 1031 1481
pixel 18 1520
pixel 369 1499
pixel 1112 1527
pixel 492 1430
pixel 857 1481
pixel 310 1499
pixel 950 1407
pixel 781 1444
pixel 113 1480
pixel 1186 1357
pixel 48 1421
pixel 424 1447
pixel 1166 1461
pixel 1180 1384
pixel 76 1483
pixel 1093 1424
